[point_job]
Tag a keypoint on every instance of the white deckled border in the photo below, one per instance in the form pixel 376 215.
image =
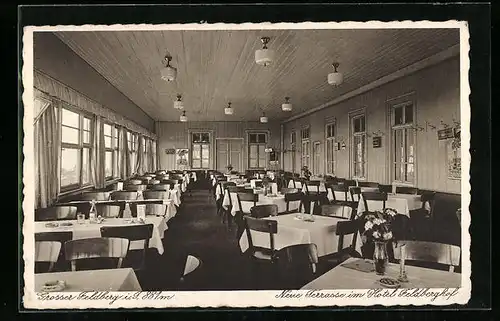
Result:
pixel 238 298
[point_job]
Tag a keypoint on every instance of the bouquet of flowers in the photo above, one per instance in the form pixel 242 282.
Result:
pixel 377 226
pixel 306 172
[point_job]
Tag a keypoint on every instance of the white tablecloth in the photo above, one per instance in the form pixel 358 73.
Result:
pixel 402 203
pixel 293 231
pixel 87 230
pixel 92 280
pixel 279 200
pixel 341 277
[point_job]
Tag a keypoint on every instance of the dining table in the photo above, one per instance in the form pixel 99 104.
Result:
pixel 402 203
pixel 273 198
pixel 86 229
pixel 123 279
pixel 295 229
pixel 347 275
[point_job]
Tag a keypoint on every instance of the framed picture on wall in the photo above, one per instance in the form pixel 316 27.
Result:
pixel 182 158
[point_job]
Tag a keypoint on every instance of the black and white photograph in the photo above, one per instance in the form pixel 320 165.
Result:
pixel 253 165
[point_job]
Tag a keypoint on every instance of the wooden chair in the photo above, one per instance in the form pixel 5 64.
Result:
pixel 368 184
pixel 385 188
pixel 355 193
pixel 266 210
pixel 61 237
pixel 149 207
pixel 244 198
pixel 155 195
pixel 340 189
pixel 337 211
pixel 286 190
pixel 136 187
pixel 95 196
pixel 47 252
pixel 429 252
pixel 312 187
pixel 124 195
pixel 343 229
pixel 55 213
pixel 169 181
pixel 293 198
pixel 132 233
pixel 161 187
pixel 154 181
pixel 296 265
pixel 406 190
pixel 94 248
pixel 264 226
pixel 374 196
pixel 134 182
pixel 108 210
pixel 349 182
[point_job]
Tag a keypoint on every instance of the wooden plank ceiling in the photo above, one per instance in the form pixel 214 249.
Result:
pixel 218 66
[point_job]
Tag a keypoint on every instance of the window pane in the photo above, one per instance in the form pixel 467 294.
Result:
pixel 70 135
pixel 205 153
pixel 262 138
pixel 196 163
pixel 108 169
pixel 252 138
pixel 205 137
pixel 86 123
pixel 115 142
pixel 196 152
pixel 196 138
pixel 86 137
pixel 254 162
pixel 69 166
pixel 107 129
pixel 409 114
pixel 399 155
pixel 70 118
pixel 362 123
pixel 107 142
pixel 204 163
pixel 398 116
pixel 114 131
pixel 86 166
pixel 262 156
pixel 115 164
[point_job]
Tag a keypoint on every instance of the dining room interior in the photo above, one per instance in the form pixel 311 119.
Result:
pixel 247 159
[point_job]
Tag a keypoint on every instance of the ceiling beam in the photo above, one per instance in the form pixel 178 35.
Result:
pixel 419 65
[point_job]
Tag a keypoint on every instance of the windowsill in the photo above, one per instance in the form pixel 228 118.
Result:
pixel 75 190
pixel 111 181
pixel 405 184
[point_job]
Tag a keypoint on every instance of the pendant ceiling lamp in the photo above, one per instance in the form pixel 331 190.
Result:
pixel 179 104
pixel 228 110
pixel 263 118
pixel 264 56
pixel 168 73
pixel 183 117
pixel 335 78
pixel 286 106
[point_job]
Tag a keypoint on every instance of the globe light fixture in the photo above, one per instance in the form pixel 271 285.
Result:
pixel 183 117
pixel 264 56
pixel 263 118
pixel 287 106
pixel 168 73
pixel 228 110
pixel 335 78
pixel 178 104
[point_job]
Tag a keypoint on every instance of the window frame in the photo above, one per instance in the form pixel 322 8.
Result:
pixel 258 144
pixel 80 146
pixel 404 127
pixel 209 149
pixel 330 142
pixel 352 137
pixel 293 148
pixel 305 158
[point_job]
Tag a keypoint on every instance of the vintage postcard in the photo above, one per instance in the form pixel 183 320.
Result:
pixel 246 165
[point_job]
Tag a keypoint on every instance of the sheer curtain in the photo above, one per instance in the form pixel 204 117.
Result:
pixel 47 154
pixel 139 155
pixel 125 157
pixel 97 154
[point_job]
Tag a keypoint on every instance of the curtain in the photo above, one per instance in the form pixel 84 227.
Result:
pixel 47 155
pixel 139 155
pixel 151 156
pixel 155 156
pixel 125 156
pixel 97 154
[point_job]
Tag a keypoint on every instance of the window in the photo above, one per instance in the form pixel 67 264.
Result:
pixel 403 140
pixel 110 150
pixel 153 155
pixel 76 134
pixel 132 148
pixel 330 148
pixel 200 146
pixel 306 147
pixel 293 147
pixel 257 143
pixel 358 147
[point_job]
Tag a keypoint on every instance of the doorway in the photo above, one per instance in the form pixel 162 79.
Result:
pixel 229 151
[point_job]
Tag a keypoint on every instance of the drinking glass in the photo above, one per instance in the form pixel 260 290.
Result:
pixel 80 218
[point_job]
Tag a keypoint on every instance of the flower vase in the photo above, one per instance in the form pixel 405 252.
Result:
pixel 380 257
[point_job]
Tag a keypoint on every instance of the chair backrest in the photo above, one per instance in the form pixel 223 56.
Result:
pixel 124 195
pixel 169 181
pixel 401 227
pixel 260 225
pixel 155 195
pixel 406 190
pixel 55 213
pixel 47 251
pixel 312 186
pixel 100 247
pixel 374 196
pixel 297 263
pixel 344 228
pixel 135 187
pixel 385 188
pixel 108 210
pixel 339 211
pixel 340 189
pixel 61 237
pixel 130 232
pixel 349 182
pixel 367 184
pixel 259 184
pixel 225 185
pixel 266 210
pixel 247 198
pixel 238 189
pixel 355 193
pixel 134 181
pixel 154 182
pixel 149 208
pixel 161 187
pixel 286 190
pixel 431 252
pixel 95 196
pixel 293 198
